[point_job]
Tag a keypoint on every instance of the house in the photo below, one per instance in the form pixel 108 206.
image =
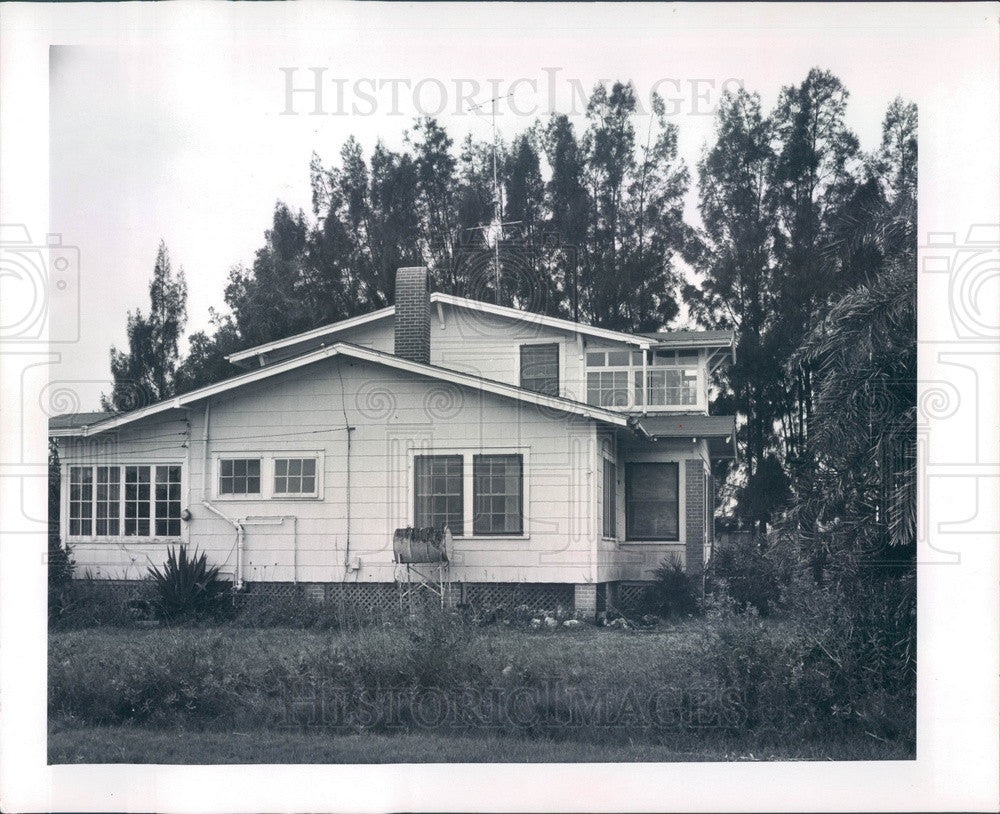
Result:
pixel 566 460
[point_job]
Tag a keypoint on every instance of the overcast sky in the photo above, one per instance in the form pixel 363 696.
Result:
pixel 185 136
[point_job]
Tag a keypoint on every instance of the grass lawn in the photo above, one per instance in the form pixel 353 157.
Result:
pixel 221 695
pixel 73 743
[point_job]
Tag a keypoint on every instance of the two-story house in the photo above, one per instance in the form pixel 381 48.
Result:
pixel 564 459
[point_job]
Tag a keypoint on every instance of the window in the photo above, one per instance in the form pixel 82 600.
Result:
pixel 608 388
pixel 81 495
pixel 497 490
pixel 239 476
pixel 108 501
pixel 168 501
pixel 125 501
pixel 671 378
pixel 671 387
pixel 540 368
pixel 437 492
pixel 651 501
pixel 295 476
pixel 610 499
pixel 137 509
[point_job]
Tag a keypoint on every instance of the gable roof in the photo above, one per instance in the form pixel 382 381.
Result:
pixel 60 428
pixel 70 420
pixel 440 298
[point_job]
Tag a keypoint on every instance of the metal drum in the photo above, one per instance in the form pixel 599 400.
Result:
pixel 426 545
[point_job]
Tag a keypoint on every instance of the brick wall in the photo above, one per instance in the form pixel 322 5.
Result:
pixel 413 315
pixel 694 496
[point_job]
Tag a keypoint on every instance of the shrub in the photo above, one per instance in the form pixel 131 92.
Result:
pixel 741 570
pixel 188 586
pixel 673 593
pixel 60 576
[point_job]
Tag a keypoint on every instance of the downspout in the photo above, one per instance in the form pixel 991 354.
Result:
pixel 347 543
pixel 592 488
pixel 238 575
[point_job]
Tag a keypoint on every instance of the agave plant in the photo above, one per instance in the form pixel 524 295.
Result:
pixel 187 585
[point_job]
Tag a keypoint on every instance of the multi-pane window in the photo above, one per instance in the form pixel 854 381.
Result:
pixel 608 388
pixel 137 508
pixel 295 476
pixel 610 499
pixel 540 368
pixel 168 501
pixel 670 387
pixel 615 378
pixel 125 501
pixel 81 496
pixel 651 501
pixel 437 492
pixel 497 494
pixel 239 476
pixel 108 501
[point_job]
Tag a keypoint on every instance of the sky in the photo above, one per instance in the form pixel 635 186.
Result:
pixel 191 136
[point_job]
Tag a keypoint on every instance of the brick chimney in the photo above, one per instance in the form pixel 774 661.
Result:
pixel 413 315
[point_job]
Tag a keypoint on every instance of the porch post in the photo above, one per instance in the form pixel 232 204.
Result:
pixel 694 546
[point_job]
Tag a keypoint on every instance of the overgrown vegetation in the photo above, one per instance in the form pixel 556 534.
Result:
pixel 756 681
pixel 187 586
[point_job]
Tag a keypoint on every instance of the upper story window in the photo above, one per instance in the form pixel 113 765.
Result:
pixel 672 379
pixel 540 368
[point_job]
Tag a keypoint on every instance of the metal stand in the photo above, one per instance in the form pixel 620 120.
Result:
pixel 418 580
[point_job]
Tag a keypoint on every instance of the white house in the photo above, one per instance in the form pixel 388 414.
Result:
pixel 565 459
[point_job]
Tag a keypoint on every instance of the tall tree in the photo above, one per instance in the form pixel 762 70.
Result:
pixel 145 373
pixel 737 289
pixel 813 176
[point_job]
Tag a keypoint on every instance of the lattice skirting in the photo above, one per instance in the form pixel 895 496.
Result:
pixel 625 596
pixel 359 596
pixel 508 595
pixel 375 597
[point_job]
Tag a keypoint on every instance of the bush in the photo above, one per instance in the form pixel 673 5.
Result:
pixel 741 571
pixel 837 660
pixel 60 576
pixel 187 586
pixel 673 593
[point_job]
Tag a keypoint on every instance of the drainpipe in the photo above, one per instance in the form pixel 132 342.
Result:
pixel 238 576
pixel 240 532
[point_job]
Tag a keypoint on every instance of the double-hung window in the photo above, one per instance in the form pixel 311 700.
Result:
pixel 497 491
pixel 437 492
pixel 652 501
pixel 496 506
pixel 540 368
pixel 136 500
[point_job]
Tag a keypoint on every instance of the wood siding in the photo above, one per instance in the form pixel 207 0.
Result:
pixel 393 416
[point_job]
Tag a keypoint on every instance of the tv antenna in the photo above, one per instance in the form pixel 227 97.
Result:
pixel 498 222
